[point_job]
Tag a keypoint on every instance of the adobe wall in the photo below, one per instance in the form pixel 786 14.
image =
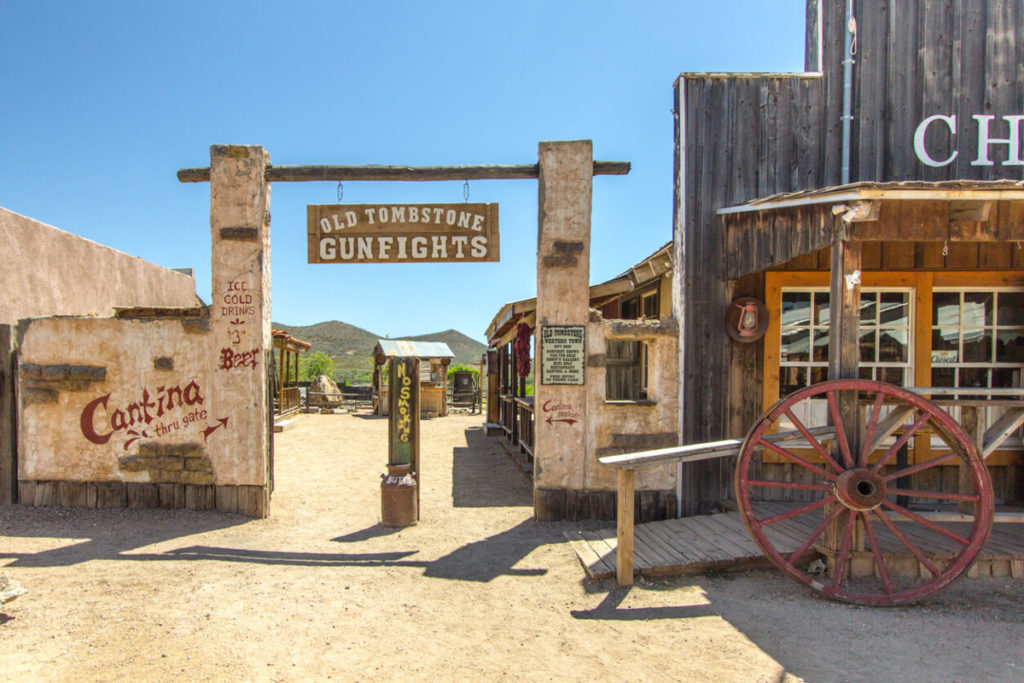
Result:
pixel 47 272
pixel 160 407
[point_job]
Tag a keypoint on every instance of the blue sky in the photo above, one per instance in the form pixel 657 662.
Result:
pixel 104 101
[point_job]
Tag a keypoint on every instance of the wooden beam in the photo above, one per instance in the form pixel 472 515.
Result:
pixel 727 448
pixel 624 528
pixel 304 173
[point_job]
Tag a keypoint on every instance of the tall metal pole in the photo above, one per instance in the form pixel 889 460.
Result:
pixel 849 33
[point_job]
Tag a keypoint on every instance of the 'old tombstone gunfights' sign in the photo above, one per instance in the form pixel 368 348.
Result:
pixel 562 359
pixel 402 233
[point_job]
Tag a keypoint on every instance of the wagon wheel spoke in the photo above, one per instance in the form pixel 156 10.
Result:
pixel 796 459
pixel 921 467
pixel 822 452
pixel 869 432
pixel 928 524
pixel 789 485
pixel 804 509
pixel 844 549
pixel 907 543
pixel 904 438
pixel 938 495
pixel 837 422
pixel 815 535
pixel 876 553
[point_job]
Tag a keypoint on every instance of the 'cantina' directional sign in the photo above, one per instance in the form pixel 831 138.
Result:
pixel 402 233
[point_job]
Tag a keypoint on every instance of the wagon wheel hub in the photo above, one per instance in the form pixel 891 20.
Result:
pixel 860 489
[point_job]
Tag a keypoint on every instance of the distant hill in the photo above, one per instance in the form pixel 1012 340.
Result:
pixel 351 347
pixel 467 351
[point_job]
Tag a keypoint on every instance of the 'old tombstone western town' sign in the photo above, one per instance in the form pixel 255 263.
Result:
pixel 402 233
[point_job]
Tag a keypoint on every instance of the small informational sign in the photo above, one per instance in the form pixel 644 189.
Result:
pixel 404 411
pixel 562 354
pixel 402 233
pixel 944 356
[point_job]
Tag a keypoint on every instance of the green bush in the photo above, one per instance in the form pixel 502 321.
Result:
pixel 315 364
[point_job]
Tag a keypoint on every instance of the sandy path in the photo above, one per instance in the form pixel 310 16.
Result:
pixel 476 591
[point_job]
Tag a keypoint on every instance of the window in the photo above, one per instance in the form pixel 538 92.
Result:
pixel 631 309
pixel 625 370
pixel 649 304
pixel 977 338
pixel 884 330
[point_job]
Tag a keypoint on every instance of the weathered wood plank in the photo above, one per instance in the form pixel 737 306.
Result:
pixel 595 564
pixel 624 527
pixel 304 173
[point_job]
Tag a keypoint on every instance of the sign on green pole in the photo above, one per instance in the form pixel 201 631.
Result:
pixel 404 413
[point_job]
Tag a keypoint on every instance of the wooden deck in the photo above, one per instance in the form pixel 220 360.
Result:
pixel 715 542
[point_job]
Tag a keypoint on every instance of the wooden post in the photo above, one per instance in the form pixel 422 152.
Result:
pixel 844 350
pixel 972 419
pixel 8 419
pixel 624 527
pixel 404 418
pixel 493 387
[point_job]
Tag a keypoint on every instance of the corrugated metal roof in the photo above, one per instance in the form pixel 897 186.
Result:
pixel 418 349
pixel 892 190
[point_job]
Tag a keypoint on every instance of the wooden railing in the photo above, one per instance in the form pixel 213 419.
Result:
pixel 289 400
pixel 516 421
pixel 524 424
pixel 628 463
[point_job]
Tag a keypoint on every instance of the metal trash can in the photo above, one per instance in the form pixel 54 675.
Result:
pixel 398 497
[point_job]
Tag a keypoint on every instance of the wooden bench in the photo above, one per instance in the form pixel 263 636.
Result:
pixel 628 463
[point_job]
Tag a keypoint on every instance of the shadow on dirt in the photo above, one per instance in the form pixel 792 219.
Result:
pixel 375 531
pixel 484 475
pixel 86 535
pixel 610 608
pixel 91 534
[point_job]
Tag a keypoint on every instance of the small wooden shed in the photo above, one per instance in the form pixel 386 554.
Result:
pixel 286 389
pixel 435 357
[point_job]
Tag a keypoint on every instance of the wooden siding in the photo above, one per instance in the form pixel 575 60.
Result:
pixel 749 136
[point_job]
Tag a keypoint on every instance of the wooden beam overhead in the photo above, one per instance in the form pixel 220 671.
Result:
pixel 970 211
pixel 305 173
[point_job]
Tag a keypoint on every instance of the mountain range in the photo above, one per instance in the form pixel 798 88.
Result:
pixel 351 347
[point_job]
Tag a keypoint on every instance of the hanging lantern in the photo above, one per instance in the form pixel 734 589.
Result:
pixel 746 320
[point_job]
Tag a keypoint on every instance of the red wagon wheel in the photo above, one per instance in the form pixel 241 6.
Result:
pixel 890 548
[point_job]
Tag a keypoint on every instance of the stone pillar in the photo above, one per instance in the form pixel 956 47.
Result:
pixel 240 328
pixel 563 298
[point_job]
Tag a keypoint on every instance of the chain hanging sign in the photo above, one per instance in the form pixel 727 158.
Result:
pixel 402 233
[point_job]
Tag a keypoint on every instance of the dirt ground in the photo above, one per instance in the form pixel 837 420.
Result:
pixel 476 591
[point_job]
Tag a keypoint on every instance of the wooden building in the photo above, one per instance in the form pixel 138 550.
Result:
pixel 287 396
pixel 435 357
pixel 630 387
pixel 874 204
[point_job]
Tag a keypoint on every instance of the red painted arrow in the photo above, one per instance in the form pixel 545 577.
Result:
pixel 567 420
pixel 222 422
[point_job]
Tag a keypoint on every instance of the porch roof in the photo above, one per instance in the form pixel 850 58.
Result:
pixel 772 230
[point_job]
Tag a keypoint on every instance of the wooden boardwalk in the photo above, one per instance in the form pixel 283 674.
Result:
pixel 715 542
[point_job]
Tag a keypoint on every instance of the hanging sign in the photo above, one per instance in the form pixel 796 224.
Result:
pixel 402 233
pixel 562 359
